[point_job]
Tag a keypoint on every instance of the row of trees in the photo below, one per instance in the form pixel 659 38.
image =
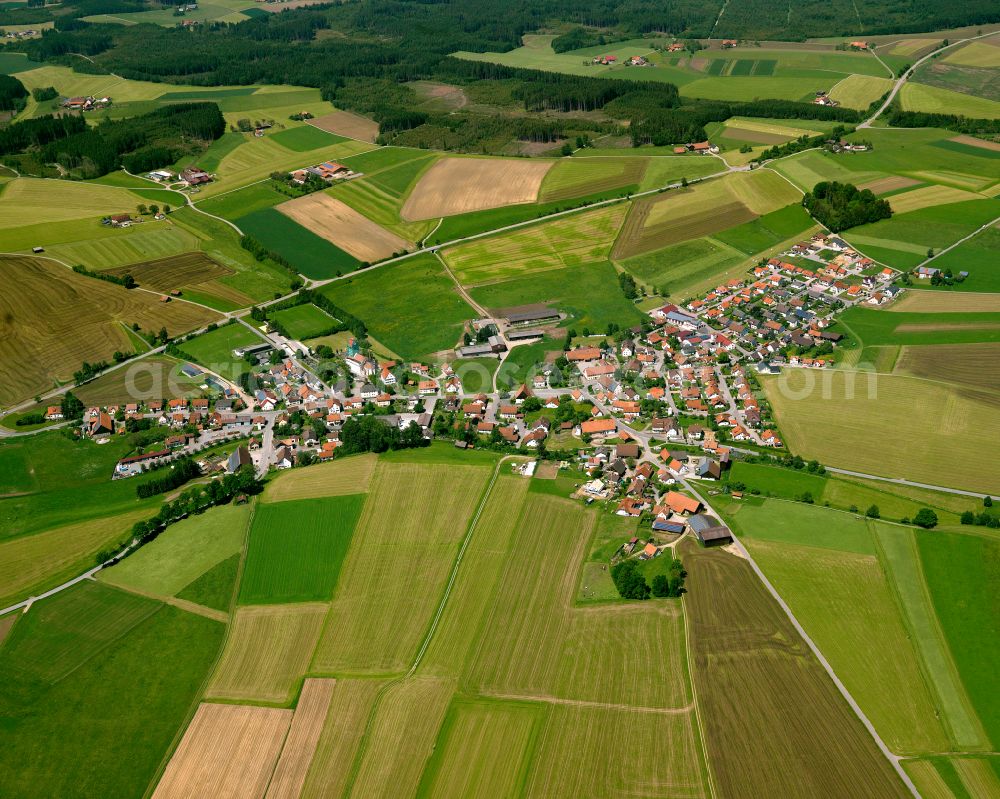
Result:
pixel 179 473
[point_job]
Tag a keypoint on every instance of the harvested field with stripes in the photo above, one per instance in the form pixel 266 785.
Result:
pixel 344 123
pixel 343 227
pixel 927 196
pixel 887 184
pixel 788 711
pixel 459 185
pixel 968 366
pixel 53 319
pixel 396 570
pixel 576 177
pixel 267 652
pixel 303 736
pixel 946 302
pixel 336 478
pixel 192 270
pixel 228 751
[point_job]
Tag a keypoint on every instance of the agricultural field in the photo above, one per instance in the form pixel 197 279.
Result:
pixel 303 737
pixel 980 257
pixel 700 210
pixel 267 651
pixel 582 292
pixel 927 318
pixel 309 254
pixel 227 750
pixel 214 349
pixel 191 273
pixel 964 365
pixel 55 319
pixel 460 185
pixel 296 549
pixel 348 125
pixel 26 201
pixel 412 306
pixel 304 321
pixel 860 91
pixel 783 690
pixel 215 11
pixel 339 477
pixel 568 242
pixel 96 684
pixel 935 100
pixel 183 553
pixel 344 227
pixel 574 177
pixel 945 426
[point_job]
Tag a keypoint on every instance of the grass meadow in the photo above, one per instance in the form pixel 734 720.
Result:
pixel 96 684
pixel 351 475
pixel 411 306
pixel 304 321
pixel 296 549
pixel 311 255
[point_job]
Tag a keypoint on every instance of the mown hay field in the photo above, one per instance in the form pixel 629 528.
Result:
pixel 296 549
pixel 939 302
pixel 52 320
pixel 394 575
pixel 303 736
pixel 496 739
pixel 764 700
pixel 343 227
pixel 860 91
pixel 945 428
pixel 183 553
pixel 934 100
pixel 267 652
pixel 975 54
pixel 701 210
pixel 402 735
pixel 351 126
pixel 575 177
pixel 889 184
pixel 338 477
pixel 845 601
pixel 382 205
pixel 31 564
pixel 98 247
pixel 304 321
pixel 340 739
pixel 227 751
pixel 459 185
pixel 193 270
pixel 573 240
pixel 28 200
pixel 926 196
pixel 597 751
pixel 967 366
pixel 685 269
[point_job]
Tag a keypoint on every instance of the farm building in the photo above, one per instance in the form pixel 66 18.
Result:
pixel 195 177
pixel 529 314
pixel 237 459
pixel 709 530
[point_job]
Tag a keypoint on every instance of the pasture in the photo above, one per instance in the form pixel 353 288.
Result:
pixel 336 478
pixel 567 242
pixel 348 125
pixel 304 321
pixel 845 601
pixel 979 256
pixel 935 100
pixel 945 426
pixel 183 553
pixel 55 319
pixel 214 589
pixel 296 549
pixel 344 227
pixel 395 572
pixel 309 254
pixel 96 685
pixel 30 200
pixel 267 652
pixel 412 306
pixel 777 679
pixel 214 349
pixel 860 91
pixel 227 750
pixel 304 138
pixel 460 185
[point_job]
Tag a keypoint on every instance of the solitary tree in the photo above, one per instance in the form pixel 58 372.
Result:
pixel 872 512
pixel 925 518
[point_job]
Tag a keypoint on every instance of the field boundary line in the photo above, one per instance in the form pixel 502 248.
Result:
pixel 558 700
pixel 893 758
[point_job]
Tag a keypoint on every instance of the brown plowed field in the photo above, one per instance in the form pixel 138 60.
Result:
pixel 344 123
pixel 344 227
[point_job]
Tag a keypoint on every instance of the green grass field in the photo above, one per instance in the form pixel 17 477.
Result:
pixel 304 321
pixel 768 230
pixel 214 349
pixel 980 257
pixel 130 671
pixel 311 255
pixel 935 100
pixel 959 569
pixel 412 306
pixel 581 292
pixel 297 548
pixel 214 589
pixel 689 268
pixel 304 138
pixel 578 176
pixel 874 327
pixel 183 553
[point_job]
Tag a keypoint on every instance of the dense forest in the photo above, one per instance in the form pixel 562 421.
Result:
pixel 137 143
pixel 842 205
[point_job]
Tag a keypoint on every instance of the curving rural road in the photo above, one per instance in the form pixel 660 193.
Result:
pixel 909 74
